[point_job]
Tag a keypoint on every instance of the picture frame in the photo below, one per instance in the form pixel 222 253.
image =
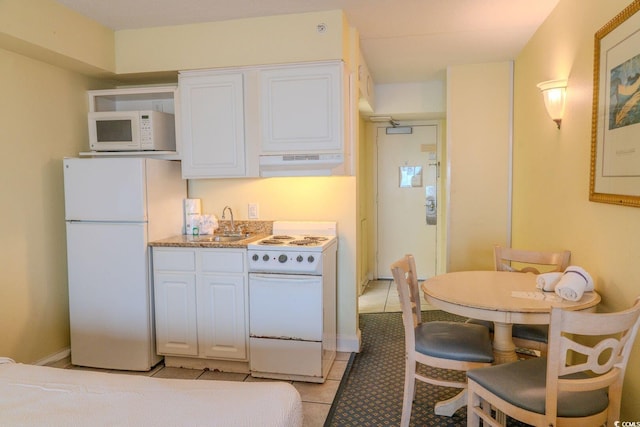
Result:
pixel 615 128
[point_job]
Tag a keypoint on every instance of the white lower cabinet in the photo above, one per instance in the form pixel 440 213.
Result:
pixel 176 327
pixel 221 324
pixel 201 302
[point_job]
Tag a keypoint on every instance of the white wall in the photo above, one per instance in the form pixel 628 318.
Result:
pixel 43 119
pixel 551 168
pixel 479 100
pixel 47 31
pixel 265 40
pixel 421 100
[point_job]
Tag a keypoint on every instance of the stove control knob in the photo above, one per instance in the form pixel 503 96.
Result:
pixel 311 258
pixel 283 258
pixel 255 257
pixel 265 257
pixel 300 258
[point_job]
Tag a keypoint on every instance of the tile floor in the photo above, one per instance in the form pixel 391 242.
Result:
pixel 316 398
pixel 381 296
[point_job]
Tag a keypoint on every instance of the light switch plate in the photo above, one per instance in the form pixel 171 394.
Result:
pixel 253 211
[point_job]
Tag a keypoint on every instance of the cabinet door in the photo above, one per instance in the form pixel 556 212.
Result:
pixel 175 303
pixel 302 108
pixel 212 125
pixel 221 316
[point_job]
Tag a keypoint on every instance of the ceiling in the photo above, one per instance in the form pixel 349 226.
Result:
pixel 402 40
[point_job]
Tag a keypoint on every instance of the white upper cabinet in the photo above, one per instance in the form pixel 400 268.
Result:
pixel 212 124
pixel 302 108
pixel 270 120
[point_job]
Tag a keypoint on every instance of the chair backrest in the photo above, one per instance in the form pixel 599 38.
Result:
pixel 604 359
pixel 532 261
pixel 406 279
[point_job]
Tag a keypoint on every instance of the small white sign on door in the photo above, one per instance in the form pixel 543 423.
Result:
pixel 410 176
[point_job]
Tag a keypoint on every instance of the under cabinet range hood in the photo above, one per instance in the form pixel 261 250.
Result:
pixel 315 164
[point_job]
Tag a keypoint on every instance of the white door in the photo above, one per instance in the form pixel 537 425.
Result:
pixel 285 306
pixel 109 296
pixel 406 197
pixel 221 316
pixel 302 108
pixel 176 322
pixel 105 189
pixel 213 140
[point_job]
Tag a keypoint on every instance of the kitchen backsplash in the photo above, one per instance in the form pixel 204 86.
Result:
pixel 247 226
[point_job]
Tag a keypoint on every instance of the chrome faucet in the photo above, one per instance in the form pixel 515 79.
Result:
pixel 233 227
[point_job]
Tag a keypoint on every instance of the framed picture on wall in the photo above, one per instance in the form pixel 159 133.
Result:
pixel 615 141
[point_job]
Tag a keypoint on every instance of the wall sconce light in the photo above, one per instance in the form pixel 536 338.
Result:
pixel 554 93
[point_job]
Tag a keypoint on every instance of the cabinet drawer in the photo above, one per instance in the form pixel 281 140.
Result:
pixel 223 261
pixel 174 259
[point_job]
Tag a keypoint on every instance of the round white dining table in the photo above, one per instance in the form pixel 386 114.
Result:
pixel 502 297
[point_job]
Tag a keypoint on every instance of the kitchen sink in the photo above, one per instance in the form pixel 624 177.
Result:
pixel 228 238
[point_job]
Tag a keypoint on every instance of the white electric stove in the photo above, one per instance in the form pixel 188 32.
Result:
pixel 293 248
pixel 292 301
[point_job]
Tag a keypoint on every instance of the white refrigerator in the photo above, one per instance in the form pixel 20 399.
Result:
pixel 113 208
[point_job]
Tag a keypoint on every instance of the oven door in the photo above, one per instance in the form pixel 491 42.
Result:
pixel 285 306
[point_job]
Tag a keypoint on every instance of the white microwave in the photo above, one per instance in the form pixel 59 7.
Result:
pixel 131 131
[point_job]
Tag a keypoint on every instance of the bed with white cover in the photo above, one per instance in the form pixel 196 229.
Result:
pixel 45 396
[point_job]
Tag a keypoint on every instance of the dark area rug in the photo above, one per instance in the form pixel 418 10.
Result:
pixel 371 392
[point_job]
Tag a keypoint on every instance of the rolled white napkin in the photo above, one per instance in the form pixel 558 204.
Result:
pixel 548 281
pixel 573 283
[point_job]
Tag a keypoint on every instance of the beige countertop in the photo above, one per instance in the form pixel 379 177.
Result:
pixel 256 230
pixel 205 241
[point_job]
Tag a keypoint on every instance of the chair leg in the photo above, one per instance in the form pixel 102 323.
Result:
pixel 450 406
pixel 409 390
pixel 615 396
pixel 473 404
pixel 479 409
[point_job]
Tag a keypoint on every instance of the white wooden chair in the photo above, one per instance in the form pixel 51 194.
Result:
pixel 510 259
pixel 446 345
pixel 534 337
pixel 576 384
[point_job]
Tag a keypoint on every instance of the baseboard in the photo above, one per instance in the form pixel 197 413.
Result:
pixel 349 343
pixel 362 285
pixel 53 358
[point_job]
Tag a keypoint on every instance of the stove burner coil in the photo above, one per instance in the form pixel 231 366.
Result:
pixel 271 242
pixel 287 240
pixel 281 237
pixel 316 238
pixel 304 242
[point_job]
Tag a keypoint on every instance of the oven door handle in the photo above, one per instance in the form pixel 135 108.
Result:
pixel 278 278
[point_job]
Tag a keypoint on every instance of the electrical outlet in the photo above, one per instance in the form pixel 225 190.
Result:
pixel 253 211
